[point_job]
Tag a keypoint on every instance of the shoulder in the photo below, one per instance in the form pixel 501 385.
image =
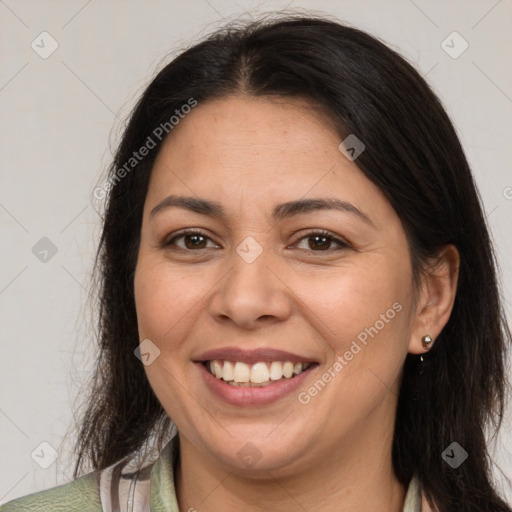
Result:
pixel 122 487
pixel 80 495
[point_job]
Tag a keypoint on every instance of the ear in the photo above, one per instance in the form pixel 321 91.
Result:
pixel 436 296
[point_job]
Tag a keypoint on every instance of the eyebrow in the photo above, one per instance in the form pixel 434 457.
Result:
pixel 280 212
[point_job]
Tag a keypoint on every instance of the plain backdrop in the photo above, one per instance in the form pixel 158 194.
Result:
pixel 61 115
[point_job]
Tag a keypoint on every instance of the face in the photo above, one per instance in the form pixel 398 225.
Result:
pixel 264 250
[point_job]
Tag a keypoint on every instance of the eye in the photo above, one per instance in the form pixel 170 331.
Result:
pixel 317 241
pixel 321 241
pixel 192 240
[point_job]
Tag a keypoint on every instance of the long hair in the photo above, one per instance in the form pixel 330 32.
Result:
pixel 412 154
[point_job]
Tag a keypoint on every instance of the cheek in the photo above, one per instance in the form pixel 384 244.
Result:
pixel 161 299
pixel 367 305
pixel 366 326
pixel 165 303
pixel 356 296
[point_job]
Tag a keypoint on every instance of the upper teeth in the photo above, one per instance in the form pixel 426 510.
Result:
pixel 257 373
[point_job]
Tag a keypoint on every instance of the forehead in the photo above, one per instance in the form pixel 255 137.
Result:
pixel 242 148
pixel 262 127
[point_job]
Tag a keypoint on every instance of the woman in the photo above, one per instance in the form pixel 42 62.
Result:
pixel 296 271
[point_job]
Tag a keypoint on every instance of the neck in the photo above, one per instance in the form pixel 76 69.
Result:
pixel 355 480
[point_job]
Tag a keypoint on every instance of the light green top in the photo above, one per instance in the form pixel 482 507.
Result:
pixel 116 490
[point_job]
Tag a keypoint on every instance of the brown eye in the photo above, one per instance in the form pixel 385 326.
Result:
pixel 319 242
pixel 194 241
pixel 191 240
pixel 322 242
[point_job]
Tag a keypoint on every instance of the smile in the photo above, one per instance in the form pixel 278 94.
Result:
pixel 259 374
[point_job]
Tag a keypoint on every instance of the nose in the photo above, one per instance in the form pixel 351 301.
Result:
pixel 251 295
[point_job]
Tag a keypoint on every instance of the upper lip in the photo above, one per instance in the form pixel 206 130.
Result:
pixel 252 356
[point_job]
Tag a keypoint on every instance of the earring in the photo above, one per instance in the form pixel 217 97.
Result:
pixel 427 341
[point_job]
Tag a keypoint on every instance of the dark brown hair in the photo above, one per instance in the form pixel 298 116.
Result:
pixel 413 155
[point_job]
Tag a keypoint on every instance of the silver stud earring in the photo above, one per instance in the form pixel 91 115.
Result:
pixel 427 342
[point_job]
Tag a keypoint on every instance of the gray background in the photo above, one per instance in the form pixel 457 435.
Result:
pixel 61 116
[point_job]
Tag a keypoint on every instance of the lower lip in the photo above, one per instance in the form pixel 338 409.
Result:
pixel 250 396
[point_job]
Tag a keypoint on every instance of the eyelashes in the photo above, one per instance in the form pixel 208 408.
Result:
pixel 195 240
pixel 195 234
pixel 322 237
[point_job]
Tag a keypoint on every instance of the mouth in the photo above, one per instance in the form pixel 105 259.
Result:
pixel 259 374
pixel 253 377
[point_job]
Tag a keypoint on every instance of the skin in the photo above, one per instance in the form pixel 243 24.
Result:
pixel 333 453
